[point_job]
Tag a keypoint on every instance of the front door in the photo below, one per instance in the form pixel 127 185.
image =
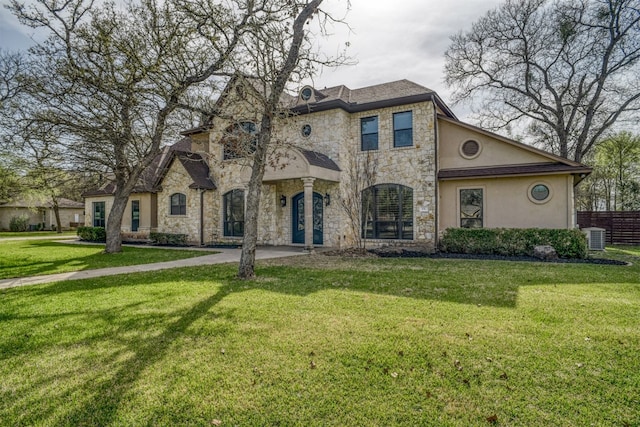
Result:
pixel 135 215
pixel 298 218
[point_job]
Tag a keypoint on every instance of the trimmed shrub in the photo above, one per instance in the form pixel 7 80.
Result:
pixel 92 234
pixel 169 239
pixel 513 241
pixel 19 223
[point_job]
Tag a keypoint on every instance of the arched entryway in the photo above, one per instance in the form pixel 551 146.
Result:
pixel 298 225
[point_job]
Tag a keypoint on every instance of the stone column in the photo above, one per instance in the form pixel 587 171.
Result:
pixel 308 213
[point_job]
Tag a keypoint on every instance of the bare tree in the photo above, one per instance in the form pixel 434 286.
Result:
pixel 361 171
pixel 275 54
pixel 110 78
pixel 568 69
pixel 12 67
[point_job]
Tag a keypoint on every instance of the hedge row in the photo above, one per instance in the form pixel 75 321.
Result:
pixel 92 234
pixel 169 239
pixel 513 241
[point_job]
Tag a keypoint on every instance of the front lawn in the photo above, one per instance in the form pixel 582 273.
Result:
pixel 32 234
pixel 325 341
pixel 21 258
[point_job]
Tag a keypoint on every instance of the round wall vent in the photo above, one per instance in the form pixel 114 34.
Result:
pixel 470 149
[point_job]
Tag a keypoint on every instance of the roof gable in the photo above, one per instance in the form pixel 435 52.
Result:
pixel 196 167
pixel 498 155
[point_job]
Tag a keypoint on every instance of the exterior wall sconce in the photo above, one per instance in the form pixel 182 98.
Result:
pixel 327 199
pixel 283 201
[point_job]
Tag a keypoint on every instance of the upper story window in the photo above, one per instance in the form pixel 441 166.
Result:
pixel 178 204
pixel 306 93
pixel 240 140
pixel 403 129
pixel 369 133
pixel 99 214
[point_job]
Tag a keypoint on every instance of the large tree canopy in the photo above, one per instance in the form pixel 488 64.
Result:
pixel 110 78
pixel 569 69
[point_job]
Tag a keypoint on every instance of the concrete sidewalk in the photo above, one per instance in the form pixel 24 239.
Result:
pixel 224 256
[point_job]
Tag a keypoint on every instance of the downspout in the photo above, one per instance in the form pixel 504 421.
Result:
pixel 201 217
pixel 436 183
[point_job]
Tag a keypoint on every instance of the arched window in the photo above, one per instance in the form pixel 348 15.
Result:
pixel 178 204
pixel 234 213
pixel 387 212
pixel 240 140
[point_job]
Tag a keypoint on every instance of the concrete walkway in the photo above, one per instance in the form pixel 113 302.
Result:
pixel 224 256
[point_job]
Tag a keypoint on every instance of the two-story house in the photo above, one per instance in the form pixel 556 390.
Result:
pixel 389 163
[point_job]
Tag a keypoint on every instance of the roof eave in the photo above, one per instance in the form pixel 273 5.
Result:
pixel 374 105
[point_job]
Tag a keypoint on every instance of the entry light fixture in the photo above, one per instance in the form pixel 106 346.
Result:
pixel 327 199
pixel 283 201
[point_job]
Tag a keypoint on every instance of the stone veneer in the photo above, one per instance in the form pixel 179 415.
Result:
pixel 335 133
pixel 177 180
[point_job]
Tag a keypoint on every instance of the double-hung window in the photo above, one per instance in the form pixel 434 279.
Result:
pixel 403 129
pixel 99 214
pixel 178 204
pixel 369 133
pixel 234 213
pixel 471 208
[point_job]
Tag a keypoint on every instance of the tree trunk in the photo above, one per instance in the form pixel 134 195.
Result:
pixel 56 211
pixel 246 269
pixel 114 223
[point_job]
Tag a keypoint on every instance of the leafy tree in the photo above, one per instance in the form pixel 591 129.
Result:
pixel 615 181
pixel 109 79
pixel 567 68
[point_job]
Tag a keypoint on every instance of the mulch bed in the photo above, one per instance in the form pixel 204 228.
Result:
pixel 424 252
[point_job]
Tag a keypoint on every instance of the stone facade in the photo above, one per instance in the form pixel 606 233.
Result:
pixel 317 149
pixel 177 180
pixel 336 134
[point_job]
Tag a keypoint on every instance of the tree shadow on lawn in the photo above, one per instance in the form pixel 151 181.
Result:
pixel 463 283
pixel 28 267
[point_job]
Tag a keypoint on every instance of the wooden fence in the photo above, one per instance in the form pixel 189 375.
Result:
pixel 622 227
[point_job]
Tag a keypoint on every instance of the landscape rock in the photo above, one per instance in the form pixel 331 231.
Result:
pixel 545 252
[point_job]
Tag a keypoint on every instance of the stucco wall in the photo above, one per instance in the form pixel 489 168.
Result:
pixel 88 208
pixel 39 215
pixel 148 220
pixel 507 202
pixel 493 151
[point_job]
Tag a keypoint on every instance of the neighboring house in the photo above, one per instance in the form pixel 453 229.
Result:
pixel 428 172
pixel 41 215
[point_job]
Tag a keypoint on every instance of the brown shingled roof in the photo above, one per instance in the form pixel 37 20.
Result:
pixel 371 97
pixel 62 203
pixel 318 159
pixel 149 177
pixel 194 164
pixel 512 170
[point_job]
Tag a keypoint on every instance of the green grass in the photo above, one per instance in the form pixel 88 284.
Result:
pixel 21 258
pixel 32 234
pixel 324 341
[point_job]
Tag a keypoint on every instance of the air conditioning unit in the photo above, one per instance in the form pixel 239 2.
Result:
pixel 596 238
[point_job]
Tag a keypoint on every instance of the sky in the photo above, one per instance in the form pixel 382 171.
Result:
pixel 390 40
